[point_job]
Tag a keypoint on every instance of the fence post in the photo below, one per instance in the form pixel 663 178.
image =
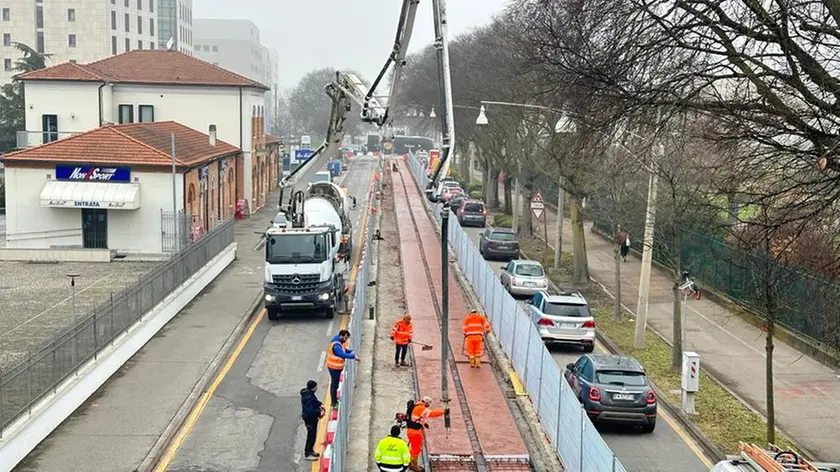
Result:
pixel 2 418
pixel 113 313
pixel 513 341
pixel 614 461
pixel 559 407
pixel 29 381
pixel 582 431
pixel 527 353
pixel 95 338
pixel 539 386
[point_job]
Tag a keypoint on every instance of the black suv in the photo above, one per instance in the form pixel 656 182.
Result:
pixel 613 389
pixel 472 213
pixel 498 243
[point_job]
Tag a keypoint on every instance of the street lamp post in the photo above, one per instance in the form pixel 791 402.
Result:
pixel 73 311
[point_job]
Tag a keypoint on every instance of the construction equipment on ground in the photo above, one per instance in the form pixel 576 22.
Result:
pixel 773 459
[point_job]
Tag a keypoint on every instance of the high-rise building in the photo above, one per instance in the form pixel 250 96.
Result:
pixel 89 30
pixel 175 22
pixel 235 45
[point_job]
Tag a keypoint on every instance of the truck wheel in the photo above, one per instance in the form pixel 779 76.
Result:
pixel 273 313
pixel 329 312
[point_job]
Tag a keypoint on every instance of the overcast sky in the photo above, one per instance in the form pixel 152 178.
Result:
pixel 346 34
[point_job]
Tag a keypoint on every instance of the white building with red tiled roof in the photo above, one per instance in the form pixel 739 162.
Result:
pixel 111 188
pixel 148 86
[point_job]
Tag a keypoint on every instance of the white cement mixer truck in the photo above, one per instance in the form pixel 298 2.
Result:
pixel 306 267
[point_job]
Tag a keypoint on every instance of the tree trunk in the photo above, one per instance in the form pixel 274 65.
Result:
pixel 494 187
pixel 486 176
pixel 768 382
pixel 508 193
pixel 617 308
pixel 527 227
pixel 677 347
pixel 580 274
pixel 464 166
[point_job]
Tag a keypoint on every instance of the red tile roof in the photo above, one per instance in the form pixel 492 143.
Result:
pixel 269 139
pixel 128 144
pixel 146 66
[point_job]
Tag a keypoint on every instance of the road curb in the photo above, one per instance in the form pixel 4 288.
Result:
pixel 161 445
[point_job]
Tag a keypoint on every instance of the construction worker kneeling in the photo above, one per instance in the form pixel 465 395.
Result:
pixel 417 415
pixel 476 327
pixel 392 454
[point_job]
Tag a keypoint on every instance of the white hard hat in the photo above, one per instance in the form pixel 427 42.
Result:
pixel 427 400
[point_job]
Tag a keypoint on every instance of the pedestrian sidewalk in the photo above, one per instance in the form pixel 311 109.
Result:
pixel 807 392
pixel 117 428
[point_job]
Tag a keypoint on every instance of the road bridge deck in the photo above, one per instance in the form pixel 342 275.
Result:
pixel 493 423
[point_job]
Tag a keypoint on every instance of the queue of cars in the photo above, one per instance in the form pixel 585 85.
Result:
pixel 611 388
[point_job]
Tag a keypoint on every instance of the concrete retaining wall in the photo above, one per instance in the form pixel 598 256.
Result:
pixel 55 255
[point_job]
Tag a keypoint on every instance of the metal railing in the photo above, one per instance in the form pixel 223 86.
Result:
pixel 338 428
pixel 565 422
pixel 43 370
pixel 36 138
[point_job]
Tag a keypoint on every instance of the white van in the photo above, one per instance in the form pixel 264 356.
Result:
pixel 322 176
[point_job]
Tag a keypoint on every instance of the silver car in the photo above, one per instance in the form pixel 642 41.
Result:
pixel 523 277
pixel 563 319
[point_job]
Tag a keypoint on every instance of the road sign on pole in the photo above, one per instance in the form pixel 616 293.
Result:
pixel 537 205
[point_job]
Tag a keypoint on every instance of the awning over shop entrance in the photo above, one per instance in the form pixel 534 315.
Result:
pixel 101 195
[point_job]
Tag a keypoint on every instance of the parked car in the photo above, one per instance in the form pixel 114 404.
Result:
pixel 523 277
pixel 449 192
pixel 563 319
pixel 498 243
pixel 456 201
pixel 472 212
pixel 613 389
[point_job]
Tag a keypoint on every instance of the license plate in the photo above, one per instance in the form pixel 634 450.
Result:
pixel 568 325
pixel 622 396
pixel 296 298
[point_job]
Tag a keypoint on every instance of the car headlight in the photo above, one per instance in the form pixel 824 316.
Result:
pixel 269 297
pixel 324 296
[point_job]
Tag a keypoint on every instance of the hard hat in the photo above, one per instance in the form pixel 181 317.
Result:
pixel 427 400
pixel 407 316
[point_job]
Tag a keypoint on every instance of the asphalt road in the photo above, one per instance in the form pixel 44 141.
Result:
pixel 252 422
pixel 667 449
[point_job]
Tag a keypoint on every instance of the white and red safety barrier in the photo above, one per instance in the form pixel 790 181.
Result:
pixel 326 459
pixel 332 426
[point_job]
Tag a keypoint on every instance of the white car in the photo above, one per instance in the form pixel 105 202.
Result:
pixel 523 277
pixel 563 319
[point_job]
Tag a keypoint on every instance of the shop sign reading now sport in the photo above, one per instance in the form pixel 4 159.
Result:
pixel 93 174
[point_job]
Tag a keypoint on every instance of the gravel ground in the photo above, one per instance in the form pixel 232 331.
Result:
pixel 36 302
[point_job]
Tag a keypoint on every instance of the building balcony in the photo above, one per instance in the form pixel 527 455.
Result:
pixel 27 139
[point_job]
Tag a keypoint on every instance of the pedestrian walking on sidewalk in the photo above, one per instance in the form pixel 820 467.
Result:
pixel 623 240
pixel 417 416
pixel 337 354
pixel 476 327
pixel 312 410
pixel 401 335
pixel 392 454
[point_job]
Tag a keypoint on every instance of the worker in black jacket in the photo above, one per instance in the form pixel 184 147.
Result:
pixel 312 410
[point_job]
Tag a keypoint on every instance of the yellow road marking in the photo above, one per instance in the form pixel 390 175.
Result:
pixel 322 426
pixel 661 412
pixel 188 425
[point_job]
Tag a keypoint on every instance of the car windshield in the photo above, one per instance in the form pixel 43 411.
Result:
pixel 502 236
pixel 451 184
pixel 473 207
pixel 565 309
pixel 321 178
pixel 529 270
pixel 290 248
pixel 619 377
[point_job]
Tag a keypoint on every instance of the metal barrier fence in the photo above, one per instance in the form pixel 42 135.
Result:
pixel 43 370
pixel 578 443
pixel 338 427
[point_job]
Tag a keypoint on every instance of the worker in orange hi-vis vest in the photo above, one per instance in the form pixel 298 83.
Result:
pixel 476 327
pixel 416 422
pixel 401 335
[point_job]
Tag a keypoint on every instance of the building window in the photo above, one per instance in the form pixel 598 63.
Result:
pixel 71 14
pixel 7 64
pixel 72 61
pixel 7 39
pixel 139 44
pixel 6 14
pixel 127 45
pixel 151 26
pixel 151 44
pixel 49 127
pixel 147 113
pixel 215 48
pixel 40 41
pixel 139 25
pixel 127 23
pixel 126 113
pixel 206 48
pixel 140 4
pixel 126 3
pixel 197 47
pixel 39 17
pixel 71 40
pixel 114 45
pixel 113 20
pixel 151 6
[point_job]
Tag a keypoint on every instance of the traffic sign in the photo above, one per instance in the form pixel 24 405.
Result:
pixel 302 154
pixel 537 205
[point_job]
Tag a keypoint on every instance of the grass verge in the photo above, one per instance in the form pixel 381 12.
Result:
pixel 720 416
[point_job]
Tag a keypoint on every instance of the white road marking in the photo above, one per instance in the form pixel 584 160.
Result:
pixel 321 361
pixel 330 328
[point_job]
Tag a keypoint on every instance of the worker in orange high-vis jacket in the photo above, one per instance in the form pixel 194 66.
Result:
pixel 417 418
pixel 476 327
pixel 401 335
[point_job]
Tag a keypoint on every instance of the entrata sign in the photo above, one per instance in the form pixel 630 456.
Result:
pixel 93 174
pixel 537 205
